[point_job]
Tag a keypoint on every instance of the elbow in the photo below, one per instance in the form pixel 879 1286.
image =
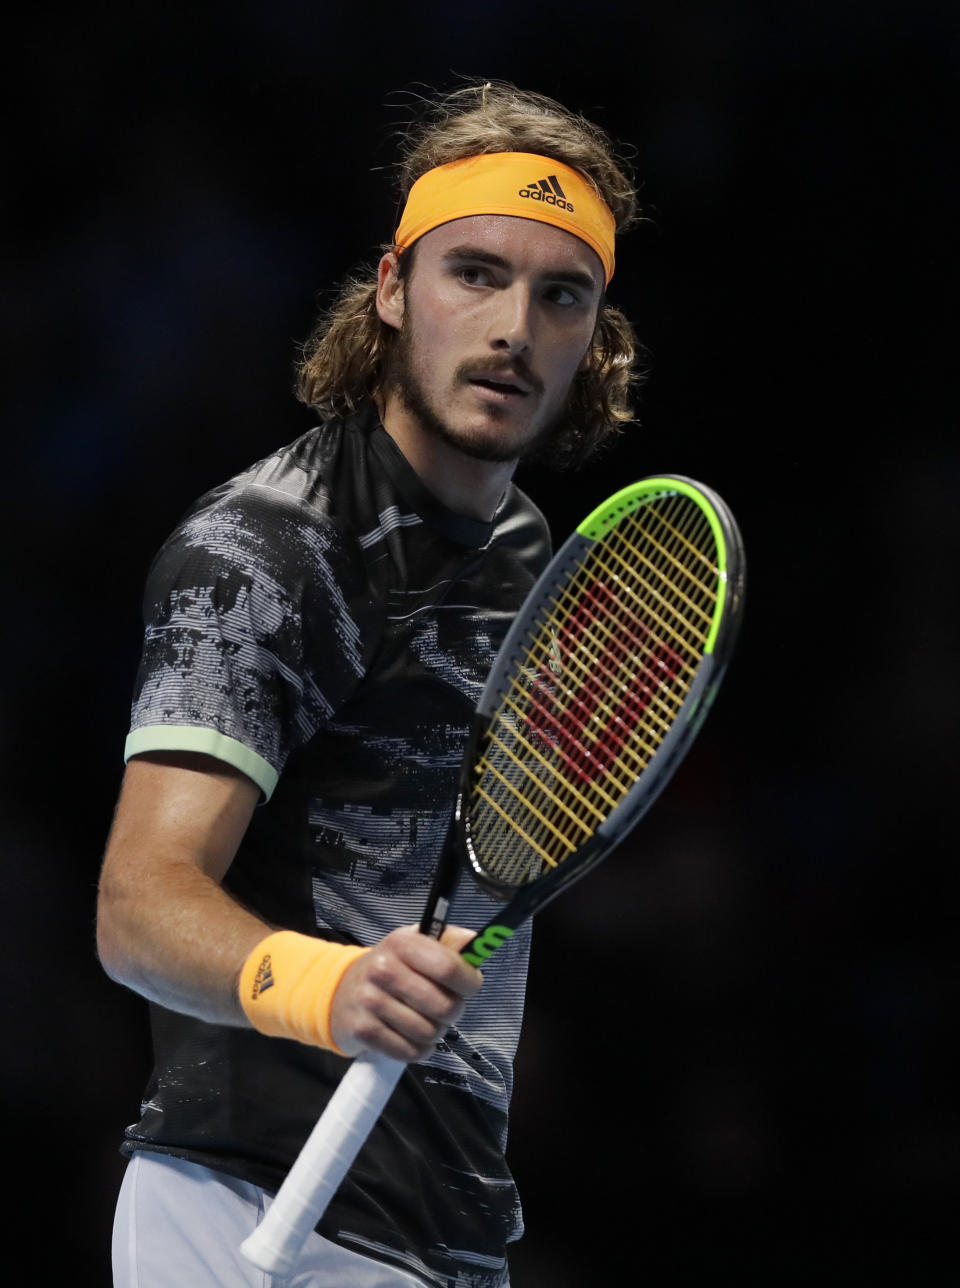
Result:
pixel 106 954
pixel 110 945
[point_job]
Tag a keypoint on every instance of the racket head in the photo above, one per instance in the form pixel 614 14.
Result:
pixel 599 688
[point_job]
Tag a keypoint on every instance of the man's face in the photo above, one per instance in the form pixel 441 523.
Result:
pixel 495 319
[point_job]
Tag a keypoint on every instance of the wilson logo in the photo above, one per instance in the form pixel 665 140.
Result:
pixel 622 667
pixel 549 192
pixel 264 977
pixel 486 944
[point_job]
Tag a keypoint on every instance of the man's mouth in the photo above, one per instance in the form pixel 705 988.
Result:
pixel 505 386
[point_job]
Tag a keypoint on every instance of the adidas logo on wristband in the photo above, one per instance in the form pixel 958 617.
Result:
pixel 264 977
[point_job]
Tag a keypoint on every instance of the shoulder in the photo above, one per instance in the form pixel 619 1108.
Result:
pixel 295 483
pixel 277 518
pixel 275 555
pixel 520 525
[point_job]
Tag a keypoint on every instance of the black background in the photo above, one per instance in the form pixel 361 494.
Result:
pixel 738 1055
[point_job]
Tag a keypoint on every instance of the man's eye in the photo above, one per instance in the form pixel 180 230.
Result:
pixel 563 296
pixel 474 276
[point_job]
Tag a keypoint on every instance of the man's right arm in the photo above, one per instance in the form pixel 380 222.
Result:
pixel 167 929
pixel 165 926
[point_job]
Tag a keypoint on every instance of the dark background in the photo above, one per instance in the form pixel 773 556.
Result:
pixel 738 1057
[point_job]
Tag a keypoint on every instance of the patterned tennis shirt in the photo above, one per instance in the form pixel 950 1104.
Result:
pixel 324 624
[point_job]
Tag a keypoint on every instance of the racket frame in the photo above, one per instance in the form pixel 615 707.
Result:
pixel 521 902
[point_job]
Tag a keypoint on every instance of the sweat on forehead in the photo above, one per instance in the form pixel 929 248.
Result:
pixel 510 183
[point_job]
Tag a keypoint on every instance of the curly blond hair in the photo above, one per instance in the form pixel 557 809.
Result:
pixel 344 361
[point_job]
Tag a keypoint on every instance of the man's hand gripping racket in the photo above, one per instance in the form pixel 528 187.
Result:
pixel 597 693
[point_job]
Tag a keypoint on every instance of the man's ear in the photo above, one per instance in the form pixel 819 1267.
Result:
pixel 390 291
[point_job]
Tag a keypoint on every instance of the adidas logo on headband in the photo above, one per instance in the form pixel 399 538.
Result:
pixel 548 191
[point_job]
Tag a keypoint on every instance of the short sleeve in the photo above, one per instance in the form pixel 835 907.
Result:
pixel 238 600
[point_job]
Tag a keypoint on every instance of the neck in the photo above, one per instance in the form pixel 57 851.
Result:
pixel 464 484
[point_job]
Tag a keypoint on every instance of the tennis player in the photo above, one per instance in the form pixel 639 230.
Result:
pixel 318 630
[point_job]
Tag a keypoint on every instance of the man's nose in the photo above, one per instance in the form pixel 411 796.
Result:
pixel 512 325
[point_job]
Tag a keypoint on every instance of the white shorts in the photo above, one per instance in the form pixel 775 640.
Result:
pixel 179 1225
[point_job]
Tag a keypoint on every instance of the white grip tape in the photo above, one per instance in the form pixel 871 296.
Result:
pixel 323 1162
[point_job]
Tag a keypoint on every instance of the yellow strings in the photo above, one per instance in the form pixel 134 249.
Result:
pixel 630 654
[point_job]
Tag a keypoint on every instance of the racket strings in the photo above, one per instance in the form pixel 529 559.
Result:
pixel 688 578
pixel 609 663
pixel 602 675
pixel 678 576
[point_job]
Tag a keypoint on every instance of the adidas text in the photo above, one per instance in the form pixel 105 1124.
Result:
pixel 547 198
pixel 264 977
pixel 548 191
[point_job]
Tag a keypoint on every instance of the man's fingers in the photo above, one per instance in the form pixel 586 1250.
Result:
pixel 438 960
pixel 457 938
pixel 403 994
pixel 404 1027
pixel 429 984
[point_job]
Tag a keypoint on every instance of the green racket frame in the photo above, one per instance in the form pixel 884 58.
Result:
pixel 525 898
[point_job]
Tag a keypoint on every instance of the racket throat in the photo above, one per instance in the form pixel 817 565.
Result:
pixel 434 920
pixel 445 881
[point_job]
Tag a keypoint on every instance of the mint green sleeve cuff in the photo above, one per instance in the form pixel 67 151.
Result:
pixel 210 743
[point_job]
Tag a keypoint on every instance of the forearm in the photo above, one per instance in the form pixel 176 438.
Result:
pixel 189 957
pixel 165 927
pixel 179 940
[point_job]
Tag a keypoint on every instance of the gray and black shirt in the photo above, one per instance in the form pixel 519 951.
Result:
pixel 324 624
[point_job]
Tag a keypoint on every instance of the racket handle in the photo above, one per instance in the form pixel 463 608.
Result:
pixel 323 1162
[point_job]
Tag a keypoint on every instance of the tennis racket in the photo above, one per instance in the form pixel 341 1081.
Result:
pixel 597 692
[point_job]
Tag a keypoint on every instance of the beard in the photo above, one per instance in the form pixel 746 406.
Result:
pixel 403 377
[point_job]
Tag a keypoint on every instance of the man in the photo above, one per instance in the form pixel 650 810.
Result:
pixel 318 631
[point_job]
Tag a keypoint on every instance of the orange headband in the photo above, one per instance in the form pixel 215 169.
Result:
pixel 510 183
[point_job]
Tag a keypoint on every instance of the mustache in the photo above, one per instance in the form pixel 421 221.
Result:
pixel 495 369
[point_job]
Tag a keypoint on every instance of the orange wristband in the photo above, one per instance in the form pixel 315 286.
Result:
pixel 287 985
